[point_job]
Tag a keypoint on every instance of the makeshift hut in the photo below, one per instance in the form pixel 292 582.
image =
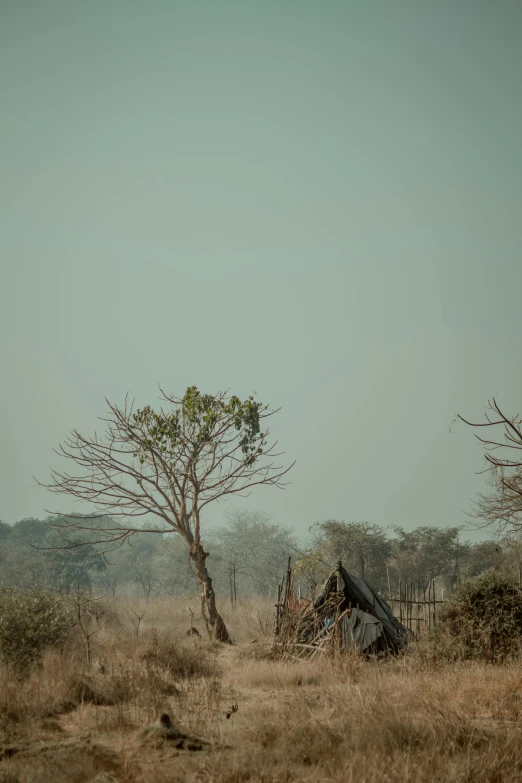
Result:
pixel 348 613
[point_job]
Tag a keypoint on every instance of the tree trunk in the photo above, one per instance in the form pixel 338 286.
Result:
pixel 213 620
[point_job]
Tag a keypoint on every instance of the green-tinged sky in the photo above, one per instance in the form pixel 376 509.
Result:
pixel 317 201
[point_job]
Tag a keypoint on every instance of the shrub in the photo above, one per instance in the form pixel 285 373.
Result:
pixel 98 610
pixel 31 622
pixel 483 621
pixel 181 662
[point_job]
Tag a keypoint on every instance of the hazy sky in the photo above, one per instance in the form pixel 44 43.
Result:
pixel 317 201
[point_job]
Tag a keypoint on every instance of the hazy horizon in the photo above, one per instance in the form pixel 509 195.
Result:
pixel 317 202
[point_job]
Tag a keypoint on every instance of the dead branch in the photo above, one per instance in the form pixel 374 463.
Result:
pixel 501 507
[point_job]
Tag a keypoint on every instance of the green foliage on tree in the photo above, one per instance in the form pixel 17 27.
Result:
pixel 199 418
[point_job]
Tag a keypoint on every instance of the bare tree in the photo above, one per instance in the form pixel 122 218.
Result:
pixel 502 506
pixel 252 552
pixel 89 618
pixel 171 464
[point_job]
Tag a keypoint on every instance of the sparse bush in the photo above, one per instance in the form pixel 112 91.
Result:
pixel 181 662
pixel 31 622
pixel 105 613
pixel 482 621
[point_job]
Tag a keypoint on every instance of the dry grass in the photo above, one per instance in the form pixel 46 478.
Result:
pixel 330 720
pixel 252 619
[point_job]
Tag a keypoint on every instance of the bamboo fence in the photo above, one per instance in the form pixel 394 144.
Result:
pixel 417 608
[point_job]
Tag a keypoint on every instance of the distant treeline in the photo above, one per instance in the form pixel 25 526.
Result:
pixel 387 559
pixel 248 555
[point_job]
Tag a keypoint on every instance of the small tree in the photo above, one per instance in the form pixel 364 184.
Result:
pixel 145 571
pixel 171 464
pixel 89 617
pixel 313 571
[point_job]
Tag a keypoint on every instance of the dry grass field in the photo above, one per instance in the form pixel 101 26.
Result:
pixel 236 715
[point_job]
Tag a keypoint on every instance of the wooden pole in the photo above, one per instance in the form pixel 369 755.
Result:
pixel 405 603
pixel 416 618
pixel 278 609
pixel 419 618
pixel 400 600
pixel 288 585
pixel 389 585
pixel 429 605
pixel 415 612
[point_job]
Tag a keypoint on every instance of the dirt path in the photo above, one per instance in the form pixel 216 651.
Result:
pixel 98 730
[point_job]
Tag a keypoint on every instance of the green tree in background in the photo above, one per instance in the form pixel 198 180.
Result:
pixel 425 553
pixel 482 556
pixel 363 548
